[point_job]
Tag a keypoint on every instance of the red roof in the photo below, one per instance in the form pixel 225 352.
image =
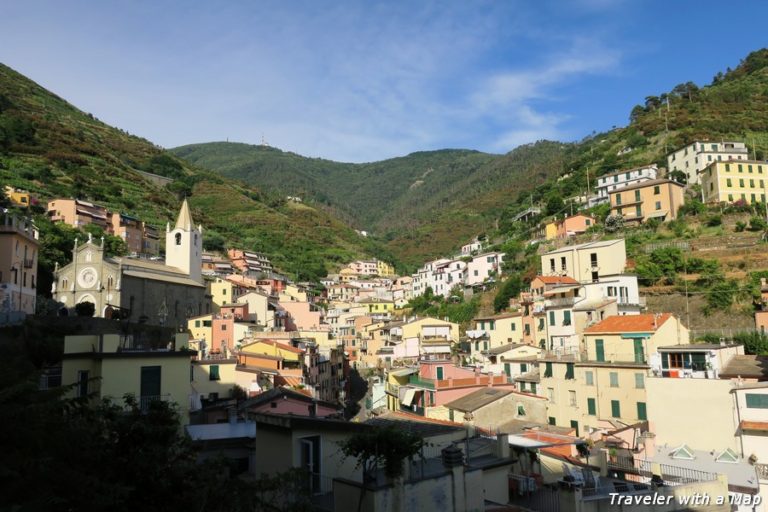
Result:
pixel 287 381
pixel 564 445
pixel 630 323
pixel 556 280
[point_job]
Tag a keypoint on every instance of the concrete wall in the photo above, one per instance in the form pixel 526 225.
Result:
pixel 679 408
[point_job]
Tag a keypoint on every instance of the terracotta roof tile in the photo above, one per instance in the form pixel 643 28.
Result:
pixel 630 323
pixel 754 425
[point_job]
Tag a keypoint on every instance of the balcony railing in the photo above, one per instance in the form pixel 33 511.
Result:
pixel 145 402
pixel 561 302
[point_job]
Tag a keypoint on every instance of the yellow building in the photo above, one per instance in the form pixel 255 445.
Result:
pixel 652 199
pixel 498 330
pixel 734 180
pixel 273 348
pixel 426 328
pixel 395 379
pixel 222 292
pixel 550 230
pixel 200 327
pixel 111 366
pixel 213 379
pixel 378 306
pixel 618 352
pixel 586 262
pixel 385 269
pixel 20 198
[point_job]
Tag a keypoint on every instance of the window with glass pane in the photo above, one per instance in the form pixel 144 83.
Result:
pixel 614 376
pixel 639 381
pixel 589 378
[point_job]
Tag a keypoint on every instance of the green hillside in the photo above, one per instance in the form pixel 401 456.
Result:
pixel 407 201
pixel 52 149
pixel 425 204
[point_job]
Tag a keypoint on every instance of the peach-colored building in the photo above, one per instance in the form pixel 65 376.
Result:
pixel 18 267
pixel 130 229
pixel 303 316
pixel 437 383
pixel 237 310
pixel 78 213
pixel 652 199
pixel 574 225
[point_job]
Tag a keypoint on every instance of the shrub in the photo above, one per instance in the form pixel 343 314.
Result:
pixel 85 309
pixel 757 224
pixel 740 226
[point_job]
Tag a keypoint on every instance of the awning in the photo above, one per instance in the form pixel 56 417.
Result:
pixel 408 398
pixel 658 213
pixel 561 289
pixel 404 372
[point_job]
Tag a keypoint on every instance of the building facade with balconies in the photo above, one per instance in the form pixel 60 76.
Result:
pixel 694 157
pixel 19 248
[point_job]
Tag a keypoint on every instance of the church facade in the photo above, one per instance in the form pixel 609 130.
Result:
pixel 136 289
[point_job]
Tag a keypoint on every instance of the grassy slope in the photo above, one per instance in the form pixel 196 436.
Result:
pixel 53 149
pixel 423 214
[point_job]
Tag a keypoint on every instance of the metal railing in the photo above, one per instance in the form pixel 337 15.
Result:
pixel 560 302
pixel 677 475
pixel 145 402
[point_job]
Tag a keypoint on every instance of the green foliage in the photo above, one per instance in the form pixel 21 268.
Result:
pixel 555 204
pixel 388 447
pixel 85 309
pixel 54 150
pixel 740 226
pixel 108 456
pixel 754 342
pixel 613 223
pixel 164 165
pixel 510 288
pixel 757 224
pixel 721 295
pixel 679 176
pixel 692 207
pixel 456 309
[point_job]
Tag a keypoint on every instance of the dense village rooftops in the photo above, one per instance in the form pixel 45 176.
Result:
pixel 587 245
pixel 556 279
pixel 746 366
pixel 645 184
pixel 414 424
pixel 629 323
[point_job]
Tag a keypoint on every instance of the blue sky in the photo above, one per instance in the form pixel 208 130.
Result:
pixel 362 81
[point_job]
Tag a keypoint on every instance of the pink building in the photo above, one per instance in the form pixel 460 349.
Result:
pixel 302 316
pixel 281 400
pixel 440 382
pixel 222 334
pixel 238 311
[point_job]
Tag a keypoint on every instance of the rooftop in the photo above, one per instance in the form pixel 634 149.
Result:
pixel 478 399
pixel 746 366
pixel 646 184
pixel 556 280
pixel 414 424
pixel 587 245
pixel 629 323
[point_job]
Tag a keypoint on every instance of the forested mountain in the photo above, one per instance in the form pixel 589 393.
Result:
pixel 427 203
pixel 52 149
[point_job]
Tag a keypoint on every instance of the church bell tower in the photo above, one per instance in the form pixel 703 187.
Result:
pixel 184 245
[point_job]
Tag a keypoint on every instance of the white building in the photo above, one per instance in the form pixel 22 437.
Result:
pixel 694 157
pixel 468 249
pixel 483 266
pixel 620 179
